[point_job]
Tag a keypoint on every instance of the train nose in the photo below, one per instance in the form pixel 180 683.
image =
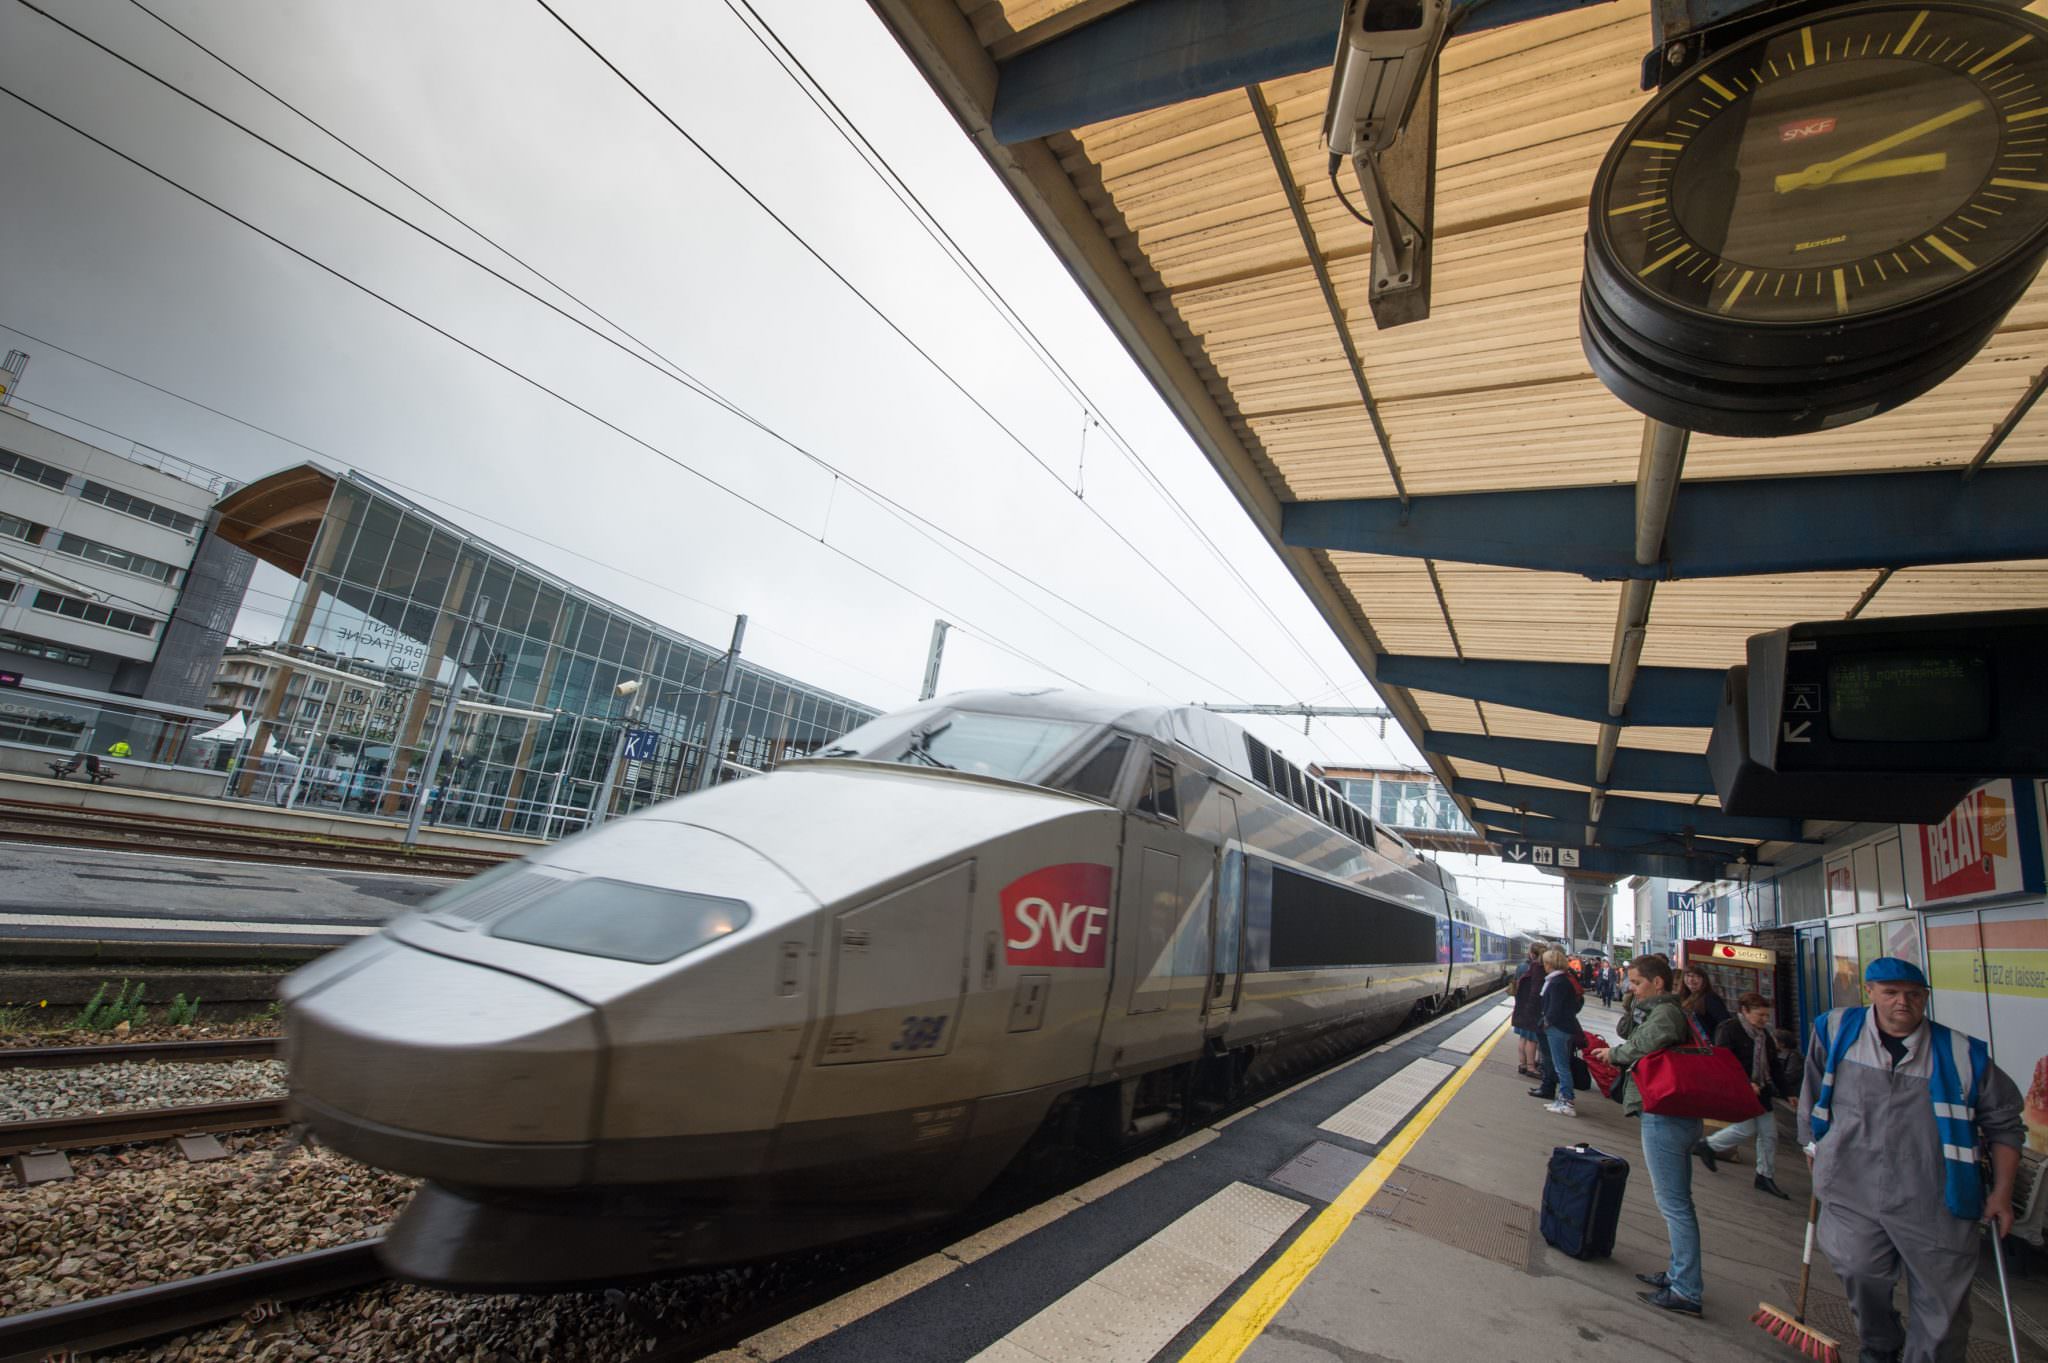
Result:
pixel 445 1069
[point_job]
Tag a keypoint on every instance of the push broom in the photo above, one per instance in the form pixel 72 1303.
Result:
pixel 1791 1328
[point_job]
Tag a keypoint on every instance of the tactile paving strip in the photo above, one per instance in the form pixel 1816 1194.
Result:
pixel 1831 1316
pixel 1461 1217
pixel 1467 1038
pixel 1369 1118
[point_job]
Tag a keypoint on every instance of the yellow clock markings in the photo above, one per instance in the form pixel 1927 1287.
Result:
pixel 1841 291
pixel 1718 88
pixel 2019 115
pixel 2037 186
pixel 2015 45
pixel 1657 146
pixel 1806 44
pixel 1878 265
pixel 1636 207
pixel 1911 29
pixel 1951 252
pixel 1859 275
pixel 1980 226
pixel 1661 261
pixel 1741 283
pixel 1935 55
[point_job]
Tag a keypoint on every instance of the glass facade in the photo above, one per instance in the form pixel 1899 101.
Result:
pixel 1415 802
pixel 418 610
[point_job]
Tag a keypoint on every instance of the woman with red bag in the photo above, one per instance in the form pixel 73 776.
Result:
pixel 1656 1023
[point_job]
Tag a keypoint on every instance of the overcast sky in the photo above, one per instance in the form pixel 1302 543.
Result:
pixel 497 112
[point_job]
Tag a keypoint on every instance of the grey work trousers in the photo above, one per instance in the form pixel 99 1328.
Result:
pixel 1939 1262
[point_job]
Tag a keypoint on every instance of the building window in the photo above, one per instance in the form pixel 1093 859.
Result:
pixel 93 613
pixel 8 589
pixel 21 466
pixel 15 528
pixel 36 648
pixel 116 500
pixel 92 551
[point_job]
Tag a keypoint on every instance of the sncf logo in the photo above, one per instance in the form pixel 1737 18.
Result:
pixel 1803 128
pixel 1058 915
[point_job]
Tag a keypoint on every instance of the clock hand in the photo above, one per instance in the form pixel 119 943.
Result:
pixel 1887 169
pixel 1821 172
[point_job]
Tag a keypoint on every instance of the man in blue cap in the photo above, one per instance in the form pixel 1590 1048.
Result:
pixel 1894 1116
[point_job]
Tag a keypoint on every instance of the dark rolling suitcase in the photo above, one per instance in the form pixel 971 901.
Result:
pixel 1582 1200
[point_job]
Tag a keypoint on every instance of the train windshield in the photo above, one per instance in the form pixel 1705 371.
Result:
pixel 1011 747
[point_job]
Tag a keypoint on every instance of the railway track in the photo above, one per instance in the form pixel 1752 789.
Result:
pixel 150 1312
pixel 205 1051
pixel 138 1124
pixel 119 832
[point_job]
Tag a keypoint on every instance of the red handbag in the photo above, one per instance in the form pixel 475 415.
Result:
pixel 1604 1075
pixel 1696 1081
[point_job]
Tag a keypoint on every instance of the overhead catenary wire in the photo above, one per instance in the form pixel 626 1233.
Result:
pixel 916 520
pixel 951 379
pixel 821 98
pixel 508 369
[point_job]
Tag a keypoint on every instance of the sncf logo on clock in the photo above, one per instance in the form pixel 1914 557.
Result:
pixel 1801 128
pixel 1058 915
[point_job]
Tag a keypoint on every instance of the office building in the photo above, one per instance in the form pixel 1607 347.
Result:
pixel 112 578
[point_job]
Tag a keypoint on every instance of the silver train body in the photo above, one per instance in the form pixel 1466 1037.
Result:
pixel 840 998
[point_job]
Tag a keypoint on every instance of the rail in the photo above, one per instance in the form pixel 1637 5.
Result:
pixel 145 1313
pixel 204 1051
pixel 103 829
pixel 138 1124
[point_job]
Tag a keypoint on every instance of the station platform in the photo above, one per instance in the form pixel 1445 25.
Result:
pixel 1384 1211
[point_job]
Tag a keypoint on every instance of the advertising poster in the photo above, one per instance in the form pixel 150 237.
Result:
pixel 1990 977
pixel 1972 853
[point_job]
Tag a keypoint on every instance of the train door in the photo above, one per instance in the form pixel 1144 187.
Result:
pixel 1226 915
pixel 1162 942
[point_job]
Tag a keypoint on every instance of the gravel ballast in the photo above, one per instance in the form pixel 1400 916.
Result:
pixel 26 1095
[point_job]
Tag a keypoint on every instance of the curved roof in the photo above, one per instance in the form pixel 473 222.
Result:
pixel 1461 497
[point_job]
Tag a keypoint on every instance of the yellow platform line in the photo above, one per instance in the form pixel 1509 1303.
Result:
pixel 1249 1315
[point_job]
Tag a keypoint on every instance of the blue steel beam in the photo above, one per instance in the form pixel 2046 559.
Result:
pixel 1659 816
pixel 1721 528
pixel 1681 697
pixel 1671 773
pixel 1158 52
pixel 1572 833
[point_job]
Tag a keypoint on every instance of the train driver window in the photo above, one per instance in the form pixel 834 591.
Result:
pixel 1097 777
pixel 1159 798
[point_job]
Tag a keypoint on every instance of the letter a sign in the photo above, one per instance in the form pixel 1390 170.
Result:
pixel 1058 915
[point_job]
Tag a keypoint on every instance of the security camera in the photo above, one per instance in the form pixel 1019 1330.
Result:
pixel 1384 53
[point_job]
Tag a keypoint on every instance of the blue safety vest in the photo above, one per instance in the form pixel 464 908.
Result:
pixel 1955 1109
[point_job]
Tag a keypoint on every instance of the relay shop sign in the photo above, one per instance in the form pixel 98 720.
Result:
pixel 1058 915
pixel 1971 853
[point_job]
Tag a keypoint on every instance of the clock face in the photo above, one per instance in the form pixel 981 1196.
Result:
pixel 1867 158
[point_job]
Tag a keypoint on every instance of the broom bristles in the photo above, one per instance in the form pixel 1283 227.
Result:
pixel 1780 1325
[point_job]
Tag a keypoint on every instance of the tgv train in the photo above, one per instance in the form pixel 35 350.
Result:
pixel 842 997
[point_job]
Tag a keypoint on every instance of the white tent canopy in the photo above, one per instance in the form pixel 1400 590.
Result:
pixel 233 730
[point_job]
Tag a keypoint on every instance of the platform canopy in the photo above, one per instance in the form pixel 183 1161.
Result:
pixel 1460 496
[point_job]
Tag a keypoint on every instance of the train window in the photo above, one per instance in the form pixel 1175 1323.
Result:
pixel 1159 799
pixel 610 918
pixel 1318 922
pixel 1097 777
pixel 1013 747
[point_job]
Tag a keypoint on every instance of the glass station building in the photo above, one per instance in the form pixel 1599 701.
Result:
pixel 398 610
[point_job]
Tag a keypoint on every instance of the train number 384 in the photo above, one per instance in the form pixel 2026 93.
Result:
pixel 920 1034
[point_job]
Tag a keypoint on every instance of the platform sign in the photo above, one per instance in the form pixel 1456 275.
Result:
pixel 1543 856
pixel 1567 856
pixel 642 745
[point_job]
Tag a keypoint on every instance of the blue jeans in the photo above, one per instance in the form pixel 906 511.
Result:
pixel 1667 1153
pixel 1559 1044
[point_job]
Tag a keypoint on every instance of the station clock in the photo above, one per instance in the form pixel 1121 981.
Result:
pixel 1823 220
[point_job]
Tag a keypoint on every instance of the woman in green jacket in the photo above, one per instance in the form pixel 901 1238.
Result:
pixel 1655 1023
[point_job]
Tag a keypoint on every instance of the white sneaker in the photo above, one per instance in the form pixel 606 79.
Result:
pixel 1562 1109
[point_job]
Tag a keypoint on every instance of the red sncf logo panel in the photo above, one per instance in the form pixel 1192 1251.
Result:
pixel 1802 128
pixel 1058 915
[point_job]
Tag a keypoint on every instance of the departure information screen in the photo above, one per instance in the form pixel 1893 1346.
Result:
pixel 1922 697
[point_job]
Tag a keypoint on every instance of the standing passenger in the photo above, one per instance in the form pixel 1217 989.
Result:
pixel 1894 1113
pixel 1703 1002
pixel 1748 1034
pixel 1527 1018
pixel 1607 983
pixel 1561 1032
pixel 1658 1023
